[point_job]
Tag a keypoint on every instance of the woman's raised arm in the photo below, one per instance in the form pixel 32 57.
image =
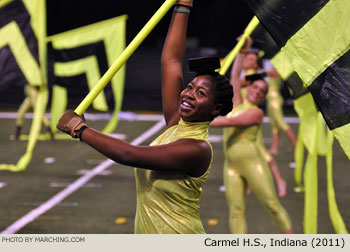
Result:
pixel 237 67
pixel 171 61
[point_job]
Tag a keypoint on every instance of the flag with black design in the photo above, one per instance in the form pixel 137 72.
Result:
pixel 314 36
pixel 19 53
pixel 23 60
pixel 314 41
pixel 78 58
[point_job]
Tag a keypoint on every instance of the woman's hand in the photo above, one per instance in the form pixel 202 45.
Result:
pixel 248 42
pixel 71 123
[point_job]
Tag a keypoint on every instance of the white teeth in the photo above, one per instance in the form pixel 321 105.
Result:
pixel 185 103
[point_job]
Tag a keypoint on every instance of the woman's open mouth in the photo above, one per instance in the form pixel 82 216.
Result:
pixel 186 105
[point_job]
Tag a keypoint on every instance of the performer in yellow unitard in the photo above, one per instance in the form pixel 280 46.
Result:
pixel 244 165
pixel 29 102
pixel 170 173
pixel 253 64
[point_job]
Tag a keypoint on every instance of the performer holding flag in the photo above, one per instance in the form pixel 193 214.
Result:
pixel 170 173
pixel 253 70
pixel 244 163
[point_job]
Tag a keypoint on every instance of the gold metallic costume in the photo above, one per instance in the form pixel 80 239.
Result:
pixel 245 166
pixel 259 138
pixel 167 203
pixel 260 142
pixel 274 105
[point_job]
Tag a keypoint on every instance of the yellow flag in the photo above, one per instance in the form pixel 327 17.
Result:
pixel 78 59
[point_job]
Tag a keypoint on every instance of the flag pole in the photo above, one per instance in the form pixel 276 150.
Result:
pixel 232 55
pixel 124 56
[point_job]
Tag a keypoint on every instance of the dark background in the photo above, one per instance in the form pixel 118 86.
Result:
pixel 214 23
pixel 213 29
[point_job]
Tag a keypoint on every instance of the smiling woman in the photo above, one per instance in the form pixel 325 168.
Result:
pixel 244 164
pixel 171 172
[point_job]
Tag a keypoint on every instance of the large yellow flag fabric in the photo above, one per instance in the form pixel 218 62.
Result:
pixel 317 55
pixel 314 36
pixel 77 60
pixel 318 140
pixel 19 60
pixel 22 37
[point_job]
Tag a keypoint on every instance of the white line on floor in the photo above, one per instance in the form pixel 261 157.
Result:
pixel 104 173
pixel 87 185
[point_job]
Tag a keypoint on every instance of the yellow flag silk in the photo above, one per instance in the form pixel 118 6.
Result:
pixel 299 163
pixel 39 111
pixel 12 36
pixel 112 33
pixel 316 50
pixel 316 138
pixel 4 2
pixel 58 105
pixel 342 134
pixel 307 112
pixel 312 52
pixel 37 10
pixel 311 192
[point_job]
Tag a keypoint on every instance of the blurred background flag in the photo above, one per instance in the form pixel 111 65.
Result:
pixel 23 60
pixel 19 53
pixel 78 58
pixel 319 54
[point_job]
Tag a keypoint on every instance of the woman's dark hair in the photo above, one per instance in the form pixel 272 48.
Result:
pixel 223 88
pixel 224 92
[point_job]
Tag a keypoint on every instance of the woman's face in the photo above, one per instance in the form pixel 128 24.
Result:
pixel 256 91
pixel 197 100
pixel 250 61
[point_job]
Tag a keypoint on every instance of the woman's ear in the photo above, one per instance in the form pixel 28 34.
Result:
pixel 216 110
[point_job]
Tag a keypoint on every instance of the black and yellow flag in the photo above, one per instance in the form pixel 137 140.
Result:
pixel 19 53
pixel 78 58
pixel 314 36
pixel 23 60
pixel 297 28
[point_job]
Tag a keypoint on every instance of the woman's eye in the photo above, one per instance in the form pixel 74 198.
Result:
pixel 202 92
pixel 189 87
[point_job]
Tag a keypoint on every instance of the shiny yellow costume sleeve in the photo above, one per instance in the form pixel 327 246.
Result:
pixel 274 105
pixel 167 203
pixel 245 166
